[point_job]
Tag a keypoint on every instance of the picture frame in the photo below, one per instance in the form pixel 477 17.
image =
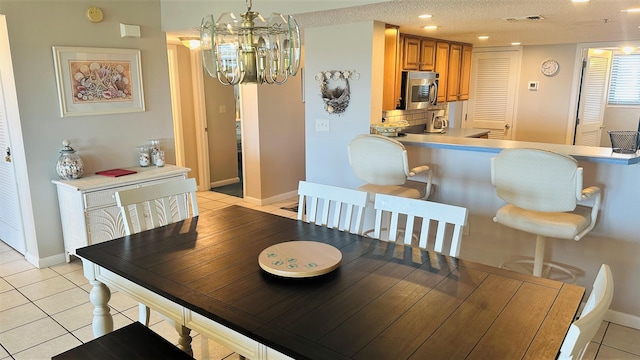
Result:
pixel 98 81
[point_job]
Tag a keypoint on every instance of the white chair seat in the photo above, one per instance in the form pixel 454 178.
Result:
pixel 563 225
pixel 410 189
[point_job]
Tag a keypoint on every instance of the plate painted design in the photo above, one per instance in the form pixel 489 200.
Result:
pixel 300 259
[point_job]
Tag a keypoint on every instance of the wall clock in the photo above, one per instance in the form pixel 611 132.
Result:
pixel 550 67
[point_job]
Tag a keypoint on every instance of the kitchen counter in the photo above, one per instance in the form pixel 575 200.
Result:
pixel 581 153
pixel 465 133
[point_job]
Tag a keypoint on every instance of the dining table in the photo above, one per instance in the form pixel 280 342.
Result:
pixel 383 300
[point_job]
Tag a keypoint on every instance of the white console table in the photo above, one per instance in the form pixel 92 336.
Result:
pixel 88 208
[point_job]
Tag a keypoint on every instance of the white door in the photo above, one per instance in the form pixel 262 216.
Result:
pixel 11 231
pixel 593 97
pixel 494 80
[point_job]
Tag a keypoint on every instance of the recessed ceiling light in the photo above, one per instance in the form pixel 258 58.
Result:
pixel 515 43
pixel 632 10
pixel 483 37
pixel 425 16
pixel 579 1
pixel 430 27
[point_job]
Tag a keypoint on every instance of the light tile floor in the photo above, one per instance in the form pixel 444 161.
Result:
pixel 44 312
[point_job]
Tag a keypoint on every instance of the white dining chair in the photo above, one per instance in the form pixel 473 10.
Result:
pixel 410 210
pixel 582 330
pixel 148 207
pixel 317 202
pixel 158 204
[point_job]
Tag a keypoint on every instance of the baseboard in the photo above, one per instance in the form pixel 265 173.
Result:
pixel 42 263
pixel 271 200
pixel 225 182
pixel 623 319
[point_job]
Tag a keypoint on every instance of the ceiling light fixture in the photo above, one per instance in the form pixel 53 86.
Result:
pixel 515 43
pixel 483 37
pixel 191 42
pixel 579 1
pixel 425 16
pixel 627 49
pixel 252 50
pixel 430 27
pixel 632 10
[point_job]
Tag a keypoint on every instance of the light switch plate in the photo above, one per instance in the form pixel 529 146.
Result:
pixel 322 125
pixel 533 85
pixel 129 31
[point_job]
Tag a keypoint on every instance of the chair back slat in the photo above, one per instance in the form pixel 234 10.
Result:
pixel 344 203
pixel 584 329
pixel 427 211
pixel 161 204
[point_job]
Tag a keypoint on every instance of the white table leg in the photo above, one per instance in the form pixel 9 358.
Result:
pixel 184 339
pixel 143 314
pixel 102 319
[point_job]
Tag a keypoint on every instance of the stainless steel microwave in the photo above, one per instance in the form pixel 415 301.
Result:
pixel 418 90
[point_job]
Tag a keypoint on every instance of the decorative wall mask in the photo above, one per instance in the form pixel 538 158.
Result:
pixel 335 90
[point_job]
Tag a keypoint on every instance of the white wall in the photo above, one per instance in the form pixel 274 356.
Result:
pixel 541 115
pixel 272 140
pixel 344 47
pixel 221 130
pixel 103 141
pixel 618 118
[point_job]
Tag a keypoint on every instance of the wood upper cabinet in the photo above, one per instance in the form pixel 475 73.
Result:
pixel 459 72
pixel 442 68
pixel 391 79
pixel 451 60
pixel 465 72
pixel 418 54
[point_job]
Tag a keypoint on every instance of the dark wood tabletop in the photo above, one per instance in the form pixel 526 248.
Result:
pixel 385 301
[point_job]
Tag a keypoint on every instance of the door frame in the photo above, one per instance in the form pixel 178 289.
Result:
pixel 575 86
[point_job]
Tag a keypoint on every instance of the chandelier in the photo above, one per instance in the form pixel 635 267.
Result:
pixel 250 49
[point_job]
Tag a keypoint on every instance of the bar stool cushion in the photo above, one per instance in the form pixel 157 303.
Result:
pixel 410 189
pixel 563 225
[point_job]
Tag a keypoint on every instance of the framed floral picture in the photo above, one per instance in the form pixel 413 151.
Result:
pixel 97 81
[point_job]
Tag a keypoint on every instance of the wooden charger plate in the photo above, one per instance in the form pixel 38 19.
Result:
pixel 300 259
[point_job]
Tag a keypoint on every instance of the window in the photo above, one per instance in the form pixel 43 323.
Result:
pixel 624 88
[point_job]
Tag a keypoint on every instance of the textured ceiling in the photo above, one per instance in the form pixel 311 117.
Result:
pixel 464 20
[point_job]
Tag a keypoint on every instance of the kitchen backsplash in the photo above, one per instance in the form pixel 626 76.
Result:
pixel 414 117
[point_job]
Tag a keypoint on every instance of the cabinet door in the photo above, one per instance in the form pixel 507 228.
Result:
pixel 390 81
pixel 442 68
pixel 465 72
pixel 427 55
pixel 411 53
pixel 453 83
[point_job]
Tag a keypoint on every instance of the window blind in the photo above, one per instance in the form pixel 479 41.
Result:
pixel 624 88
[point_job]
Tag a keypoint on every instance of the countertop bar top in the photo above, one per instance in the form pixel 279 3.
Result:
pixel 465 133
pixel 581 153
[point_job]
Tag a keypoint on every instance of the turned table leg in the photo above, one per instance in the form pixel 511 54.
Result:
pixel 184 339
pixel 102 319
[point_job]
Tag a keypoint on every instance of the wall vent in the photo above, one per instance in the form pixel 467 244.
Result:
pixel 525 18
